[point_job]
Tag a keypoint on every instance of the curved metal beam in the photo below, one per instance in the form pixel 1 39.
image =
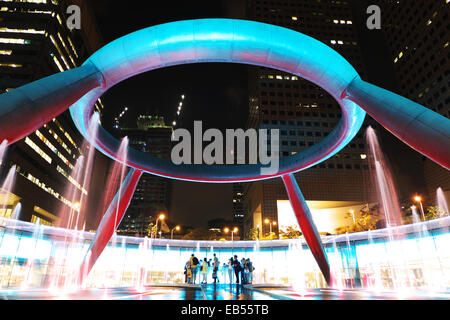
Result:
pixel 27 108
pixel 419 127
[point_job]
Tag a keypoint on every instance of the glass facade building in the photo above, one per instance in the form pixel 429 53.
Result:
pixel 35 42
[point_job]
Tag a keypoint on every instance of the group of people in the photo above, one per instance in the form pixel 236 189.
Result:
pixel 238 271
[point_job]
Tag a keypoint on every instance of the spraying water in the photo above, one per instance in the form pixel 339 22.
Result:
pixel 88 148
pixel 338 281
pixel 122 154
pixel 3 148
pixel 376 284
pixel 6 188
pixel 442 203
pixel 390 207
pixel 115 179
pixel 387 194
pixel 73 194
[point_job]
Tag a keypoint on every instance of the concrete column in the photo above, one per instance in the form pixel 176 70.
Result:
pixel 307 226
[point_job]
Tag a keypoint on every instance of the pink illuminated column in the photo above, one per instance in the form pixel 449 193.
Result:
pixel 110 221
pixel 28 108
pixel 306 223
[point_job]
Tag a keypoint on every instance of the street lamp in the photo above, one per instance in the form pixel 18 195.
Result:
pixel 419 200
pixel 353 215
pixel 161 217
pixel 226 230
pixel 270 223
pixel 171 232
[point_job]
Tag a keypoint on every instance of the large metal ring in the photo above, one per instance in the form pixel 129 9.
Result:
pixel 223 40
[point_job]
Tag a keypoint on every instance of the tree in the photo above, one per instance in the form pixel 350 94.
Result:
pixel 432 213
pixel 252 234
pixel 367 219
pixel 291 233
pixel 151 229
pixel 269 236
pixel 201 234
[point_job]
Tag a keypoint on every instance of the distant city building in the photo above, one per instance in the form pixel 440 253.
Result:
pixel 238 203
pixel 418 38
pixel 35 42
pixel 153 194
pixel 305 114
pixel 220 224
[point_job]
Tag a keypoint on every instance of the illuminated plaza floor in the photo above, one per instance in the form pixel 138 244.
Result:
pixel 220 292
pixel 287 293
pixel 205 292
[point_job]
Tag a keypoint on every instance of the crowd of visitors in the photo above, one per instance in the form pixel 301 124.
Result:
pixel 237 271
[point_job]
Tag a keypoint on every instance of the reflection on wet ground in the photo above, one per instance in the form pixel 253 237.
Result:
pixel 205 292
pixel 219 292
pixel 287 293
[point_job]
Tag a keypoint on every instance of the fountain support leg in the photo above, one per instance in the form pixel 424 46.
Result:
pixel 111 220
pixel 421 128
pixel 28 108
pixel 307 226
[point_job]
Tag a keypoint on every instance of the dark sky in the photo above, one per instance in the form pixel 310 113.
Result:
pixel 215 93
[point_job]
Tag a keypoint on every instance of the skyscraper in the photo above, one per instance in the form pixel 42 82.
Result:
pixel 152 196
pixel 35 42
pixel 418 39
pixel 305 114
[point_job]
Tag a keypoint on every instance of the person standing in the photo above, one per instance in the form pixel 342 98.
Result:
pixel 243 281
pixel 216 265
pixel 194 264
pixel 186 267
pixel 250 269
pixel 188 273
pixel 204 270
pixel 237 268
pixel 230 270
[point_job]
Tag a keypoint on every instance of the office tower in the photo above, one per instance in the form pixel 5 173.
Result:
pixel 35 42
pixel 305 114
pixel 152 196
pixel 417 36
pixel 238 209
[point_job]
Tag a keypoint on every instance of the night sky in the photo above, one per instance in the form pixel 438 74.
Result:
pixel 215 93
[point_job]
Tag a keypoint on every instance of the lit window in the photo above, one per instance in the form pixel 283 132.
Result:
pixel 11 65
pixel 36 148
